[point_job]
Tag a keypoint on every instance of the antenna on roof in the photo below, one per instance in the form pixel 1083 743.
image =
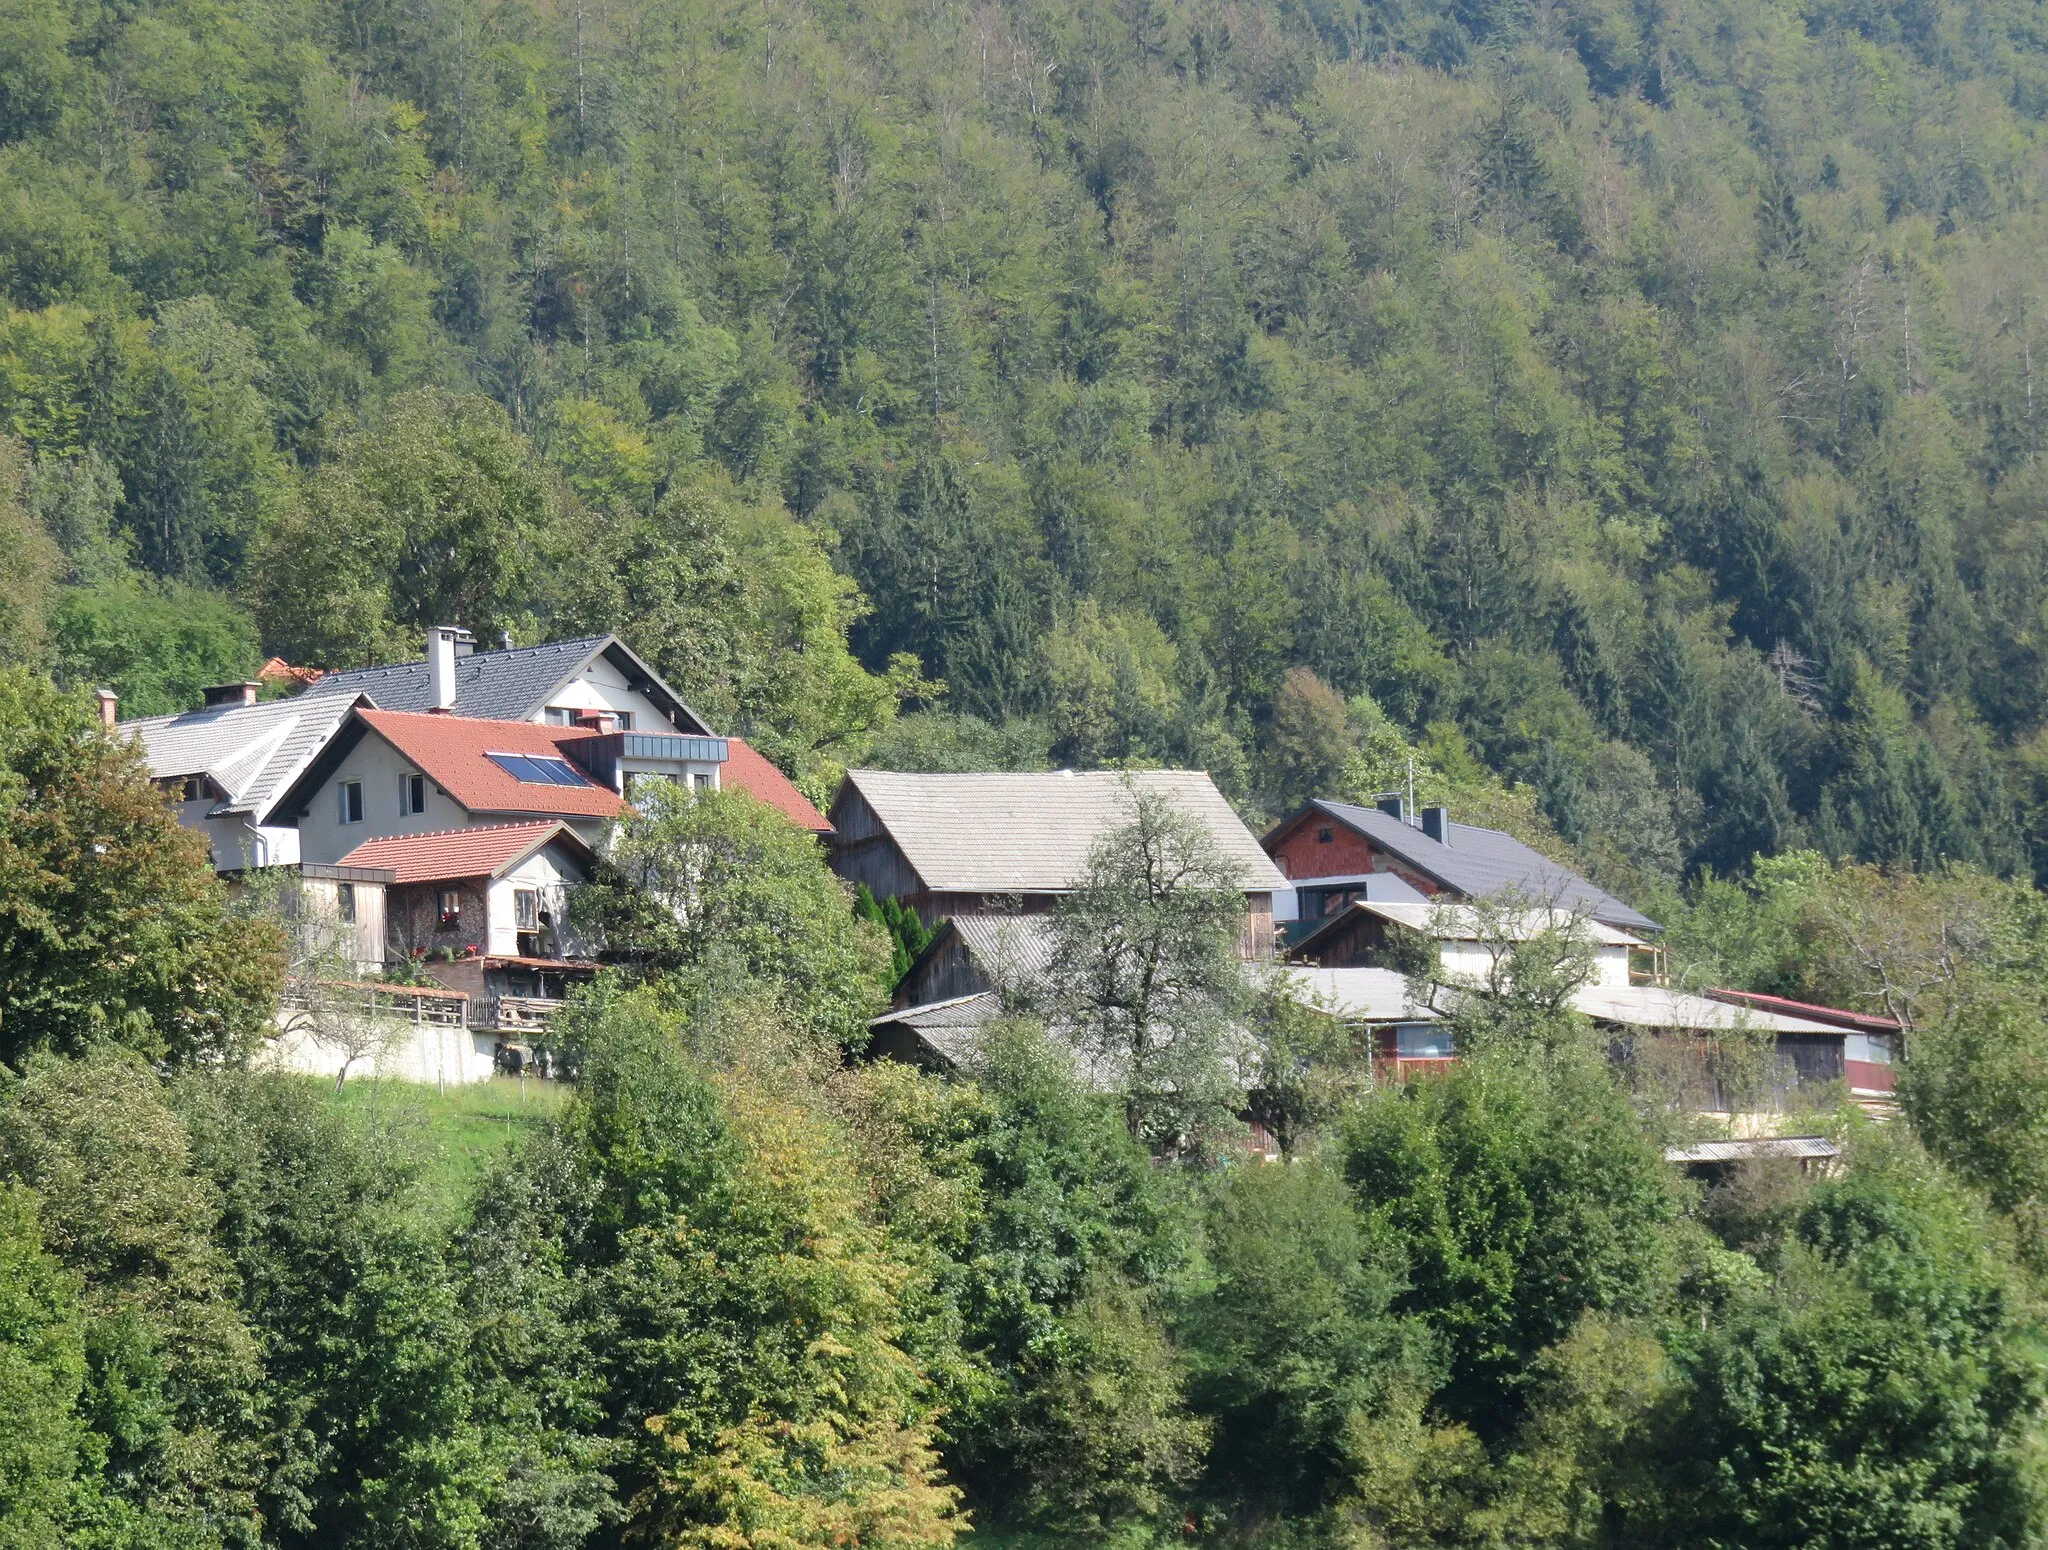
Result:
pixel 1411 783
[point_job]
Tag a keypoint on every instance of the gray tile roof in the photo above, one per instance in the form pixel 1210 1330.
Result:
pixel 489 685
pixel 1478 862
pixel 1032 833
pixel 498 685
pixel 252 752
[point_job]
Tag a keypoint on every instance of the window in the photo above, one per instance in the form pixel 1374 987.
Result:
pixel 525 909
pixel 345 902
pixel 450 903
pixel 1325 836
pixel 412 794
pixel 351 801
pixel 1423 1044
pixel 623 719
pixel 195 788
pixel 700 781
pixel 537 770
pixel 561 716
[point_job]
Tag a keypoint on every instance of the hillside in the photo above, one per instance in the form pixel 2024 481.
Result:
pixel 1635 404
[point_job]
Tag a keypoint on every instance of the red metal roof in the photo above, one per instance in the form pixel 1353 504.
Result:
pixel 454 752
pixel 1861 1022
pixel 443 855
pixel 748 771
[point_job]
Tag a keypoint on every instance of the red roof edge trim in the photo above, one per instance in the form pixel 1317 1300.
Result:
pixel 1841 1017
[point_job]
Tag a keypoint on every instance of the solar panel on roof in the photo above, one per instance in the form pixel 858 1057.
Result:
pixel 532 770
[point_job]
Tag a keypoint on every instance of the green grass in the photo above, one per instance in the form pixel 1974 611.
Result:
pixel 458 1135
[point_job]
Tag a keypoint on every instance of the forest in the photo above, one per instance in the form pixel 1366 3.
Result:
pixel 727 1288
pixel 1628 413
pixel 1620 419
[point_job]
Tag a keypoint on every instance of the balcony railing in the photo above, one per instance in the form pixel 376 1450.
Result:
pixel 404 1003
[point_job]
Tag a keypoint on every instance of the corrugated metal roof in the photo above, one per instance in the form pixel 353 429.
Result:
pixel 252 752
pixel 1009 833
pixel 1654 1006
pixel 1480 862
pixel 442 855
pixel 1467 923
pixel 1358 995
pixel 1754 1146
pixel 1009 949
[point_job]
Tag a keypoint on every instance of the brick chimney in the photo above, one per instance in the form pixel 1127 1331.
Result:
pixel 601 721
pixel 233 694
pixel 109 702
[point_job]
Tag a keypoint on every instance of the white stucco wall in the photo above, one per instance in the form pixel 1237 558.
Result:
pixel 325 839
pixel 550 873
pixel 600 686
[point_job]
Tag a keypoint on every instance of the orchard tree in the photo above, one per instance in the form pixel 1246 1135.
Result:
pixel 1144 974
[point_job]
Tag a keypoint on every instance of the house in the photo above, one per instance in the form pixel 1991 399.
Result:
pixel 1870 1044
pixel 1407 1038
pixel 1337 853
pixel 1009 844
pixel 224 766
pixel 1624 993
pixel 552 683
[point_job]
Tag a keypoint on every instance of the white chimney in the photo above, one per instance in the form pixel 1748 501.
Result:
pixel 441 665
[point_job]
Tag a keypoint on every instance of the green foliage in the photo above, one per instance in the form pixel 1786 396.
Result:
pixel 725 900
pixel 1519 1203
pixel 42 1374
pixel 908 936
pixel 114 928
pixel 1793 1425
pixel 157 644
pixel 750 1337
pixel 1150 983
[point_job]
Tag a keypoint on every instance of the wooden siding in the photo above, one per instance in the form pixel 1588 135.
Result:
pixel 862 851
pixel 947 971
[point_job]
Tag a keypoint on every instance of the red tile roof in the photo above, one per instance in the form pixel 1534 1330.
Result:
pixel 454 752
pixel 748 771
pixel 442 855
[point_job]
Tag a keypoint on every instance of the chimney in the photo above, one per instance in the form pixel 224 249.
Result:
pixel 601 721
pixel 1436 823
pixel 504 640
pixel 233 694
pixel 109 700
pixel 465 645
pixel 1393 804
pixel 441 641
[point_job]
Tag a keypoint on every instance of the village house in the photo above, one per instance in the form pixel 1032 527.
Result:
pixel 1335 854
pixel 1625 992
pixel 226 763
pixel 953 846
